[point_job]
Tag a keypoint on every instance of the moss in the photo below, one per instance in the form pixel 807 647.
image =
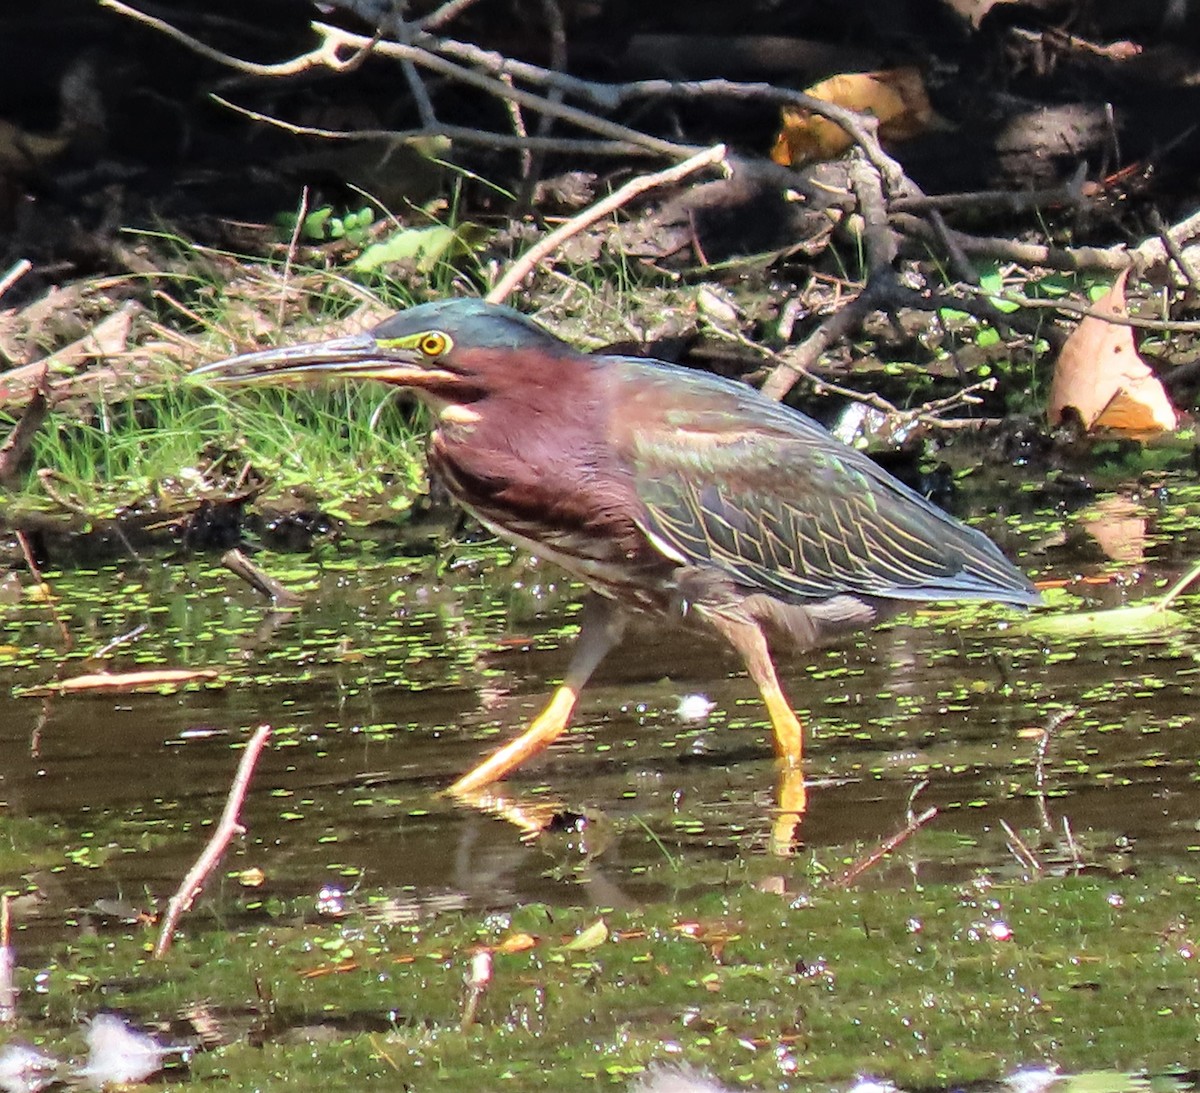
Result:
pixel 932 986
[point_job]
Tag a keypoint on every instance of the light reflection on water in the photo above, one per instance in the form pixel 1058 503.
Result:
pixel 390 682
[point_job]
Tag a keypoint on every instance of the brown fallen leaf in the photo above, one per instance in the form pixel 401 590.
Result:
pixel 896 96
pixel 124 682
pixel 1100 374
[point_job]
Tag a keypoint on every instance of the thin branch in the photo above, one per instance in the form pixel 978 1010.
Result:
pixel 1066 307
pixel 597 94
pixel 797 362
pixel 446 13
pixel 1019 849
pixel 480 137
pixel 1072 259
pixel 1181 260
pixel 48 597
pixel 1152 250
pixel 260 580
pixel 884 849
pixel 228 827
pixel 415 84
pixel 531 169
pixel 290 256
pixel 546 246
pixel 15 273
pixel 1068 194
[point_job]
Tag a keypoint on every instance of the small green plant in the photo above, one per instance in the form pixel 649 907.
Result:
pixel 323 225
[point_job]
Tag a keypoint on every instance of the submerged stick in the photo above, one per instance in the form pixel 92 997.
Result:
pixel 260 580
pixel 47 595
pixel 228 827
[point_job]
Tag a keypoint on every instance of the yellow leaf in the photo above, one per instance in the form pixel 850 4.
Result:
pixel 896 97
pixel 516 943
pixel 592 937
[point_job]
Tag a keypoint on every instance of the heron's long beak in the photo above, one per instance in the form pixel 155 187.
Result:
pixel 359 356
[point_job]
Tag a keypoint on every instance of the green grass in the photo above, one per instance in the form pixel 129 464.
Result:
pixel 342 443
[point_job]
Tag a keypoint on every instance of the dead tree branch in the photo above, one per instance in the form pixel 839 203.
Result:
pixel 228 827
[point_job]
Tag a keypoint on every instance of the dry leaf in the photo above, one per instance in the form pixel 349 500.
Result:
pixel 896 97
pixel 1100 374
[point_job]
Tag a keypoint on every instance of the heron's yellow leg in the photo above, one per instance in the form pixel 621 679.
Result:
pixel 747 637
pixel 789 733
pixel 600 629
pixel 546 727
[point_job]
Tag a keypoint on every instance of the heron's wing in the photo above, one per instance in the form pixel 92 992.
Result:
pixel 731 479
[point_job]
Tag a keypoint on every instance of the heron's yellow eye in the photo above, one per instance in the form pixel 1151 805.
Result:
pixel 433 344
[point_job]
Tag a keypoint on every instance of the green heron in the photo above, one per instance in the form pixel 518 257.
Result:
pixel 667 491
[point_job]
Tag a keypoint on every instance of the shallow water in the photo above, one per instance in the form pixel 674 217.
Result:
pixel 394 677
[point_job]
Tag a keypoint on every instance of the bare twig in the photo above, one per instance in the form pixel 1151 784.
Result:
pixel 520 128
pixel 1112 260
pixel 47 595
pixel 416 85
pixel 1177 326
pixel 228 827
pixel 1181 260
pixel 480 137
pixel 1019 849
pixel 1008 201
pixel 1051 726
pixel 290 257
pixel 878 239
pixel 15 273
pixel 1152 249
pixel 532 167
pixel 884 849
pixel 546 246
pixel 797 362
pixel 118 641
pixel 448 12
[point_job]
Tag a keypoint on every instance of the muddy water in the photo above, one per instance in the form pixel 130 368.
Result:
pixel 395 677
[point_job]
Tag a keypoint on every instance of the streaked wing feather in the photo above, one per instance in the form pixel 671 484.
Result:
pixel 731 479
